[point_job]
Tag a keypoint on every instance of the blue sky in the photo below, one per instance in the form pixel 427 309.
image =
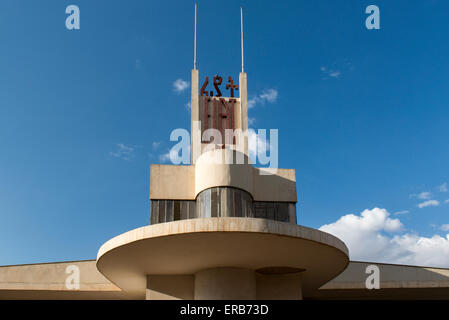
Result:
pixel 362 115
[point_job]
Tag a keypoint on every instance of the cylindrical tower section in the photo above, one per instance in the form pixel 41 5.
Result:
pixel 224 168
pixel 225 284
pixel 224 202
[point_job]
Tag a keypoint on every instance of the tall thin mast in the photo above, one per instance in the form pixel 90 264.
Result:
pixel 241 28
pixel 194 44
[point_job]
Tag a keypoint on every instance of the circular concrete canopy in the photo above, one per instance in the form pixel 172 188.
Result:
pixel 188 246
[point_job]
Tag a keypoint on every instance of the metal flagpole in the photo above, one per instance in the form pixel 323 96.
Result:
pixel 194 44
pixel 241 28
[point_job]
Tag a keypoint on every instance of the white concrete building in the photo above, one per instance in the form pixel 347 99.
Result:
pixel 221 230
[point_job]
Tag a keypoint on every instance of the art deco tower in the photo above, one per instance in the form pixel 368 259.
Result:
pixel 221 228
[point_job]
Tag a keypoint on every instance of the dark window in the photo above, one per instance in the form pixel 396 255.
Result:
pixel 221 202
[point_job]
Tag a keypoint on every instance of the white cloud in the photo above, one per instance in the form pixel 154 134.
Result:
pixel 188 105
pixel 329 72
pixel 445 227
pixel 269 96
pixel 175 156
pixel 251 121
pixel 401 212
pixel 428 203
pixel 156 144
pixel 446 201
pixel 166 157
pixel 370 237
pixel 123 152
pixel 180 85
pixel 334 74
pixel 443 187
pixel 424 195
pixel 252 102
pixel 256 145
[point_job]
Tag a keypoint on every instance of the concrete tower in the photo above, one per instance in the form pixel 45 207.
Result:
pixel 221 228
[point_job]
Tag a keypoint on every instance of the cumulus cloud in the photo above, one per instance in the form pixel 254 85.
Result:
pixel 269 96
pixel 443 187
pixel 374 236
pixel 428 203
pixel 180 85
pixel 123 152
pixel 445 227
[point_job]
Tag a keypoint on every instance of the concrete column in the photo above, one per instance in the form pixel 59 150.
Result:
pixel 243 89
pixel 169 287
pixel 195 130
pixel 279 286
pixel 225 284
